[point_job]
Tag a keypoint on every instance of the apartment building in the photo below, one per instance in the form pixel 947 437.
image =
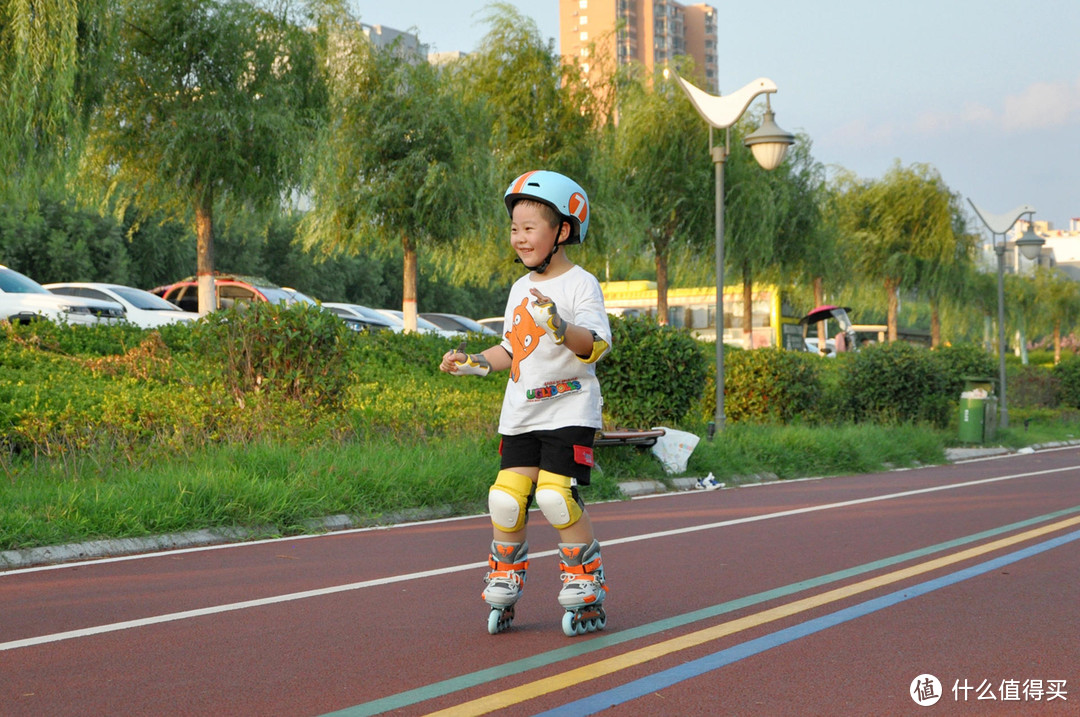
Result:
pixel 603 34
pixel 1062 248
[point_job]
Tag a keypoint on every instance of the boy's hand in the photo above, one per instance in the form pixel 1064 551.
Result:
pixel 547 317
pixel 459 363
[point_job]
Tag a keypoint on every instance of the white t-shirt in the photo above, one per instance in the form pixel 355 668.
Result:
pixel 549 387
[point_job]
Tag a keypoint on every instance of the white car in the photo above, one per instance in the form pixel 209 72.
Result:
pixel 22 300
pixel 422 325
pixel 140 307
pixel 495 323
pixel 355 314
pixel 458 324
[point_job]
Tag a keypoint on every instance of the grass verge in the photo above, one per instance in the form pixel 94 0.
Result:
pixel 280 488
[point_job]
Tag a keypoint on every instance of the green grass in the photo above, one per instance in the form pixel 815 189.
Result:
pixel 278 489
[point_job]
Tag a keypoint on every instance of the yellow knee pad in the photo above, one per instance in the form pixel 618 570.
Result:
pixel 555 497
pixel 508 501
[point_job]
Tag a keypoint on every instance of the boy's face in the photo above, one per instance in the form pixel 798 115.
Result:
pixel 531 233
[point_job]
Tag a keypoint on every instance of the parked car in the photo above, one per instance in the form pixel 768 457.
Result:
pixel 495 323
pixel 140 307
pixel 458 323
pixel 231 289
pixel 362 315
pixel 22 300
pixel 422 325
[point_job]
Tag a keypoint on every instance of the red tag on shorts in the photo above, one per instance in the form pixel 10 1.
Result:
pixel 583 456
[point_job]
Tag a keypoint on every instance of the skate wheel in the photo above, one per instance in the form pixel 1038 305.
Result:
pixel 494 620
pixel 568 627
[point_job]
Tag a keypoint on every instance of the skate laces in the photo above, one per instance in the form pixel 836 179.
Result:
pixel 506 576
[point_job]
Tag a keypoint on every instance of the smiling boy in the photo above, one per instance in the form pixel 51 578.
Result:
pixel 557 329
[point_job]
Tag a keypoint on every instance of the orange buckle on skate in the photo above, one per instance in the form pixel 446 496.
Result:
pixel 499 565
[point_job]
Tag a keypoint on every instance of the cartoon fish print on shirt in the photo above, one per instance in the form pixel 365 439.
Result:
pixel 524 337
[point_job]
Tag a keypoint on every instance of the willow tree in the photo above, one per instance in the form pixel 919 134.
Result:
pixel 401 160
pixel 1058 299
pixel 895 227
pixel 659 174
pixel 54 54
pixel 940 278
pixel 537 114
pixel 211 104
pixel 771 218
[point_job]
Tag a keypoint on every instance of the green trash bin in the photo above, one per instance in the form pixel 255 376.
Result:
pixel 972 419
pixel 978 415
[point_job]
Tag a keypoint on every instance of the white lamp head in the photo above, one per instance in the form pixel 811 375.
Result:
pixel 769 143
pixel 1030 244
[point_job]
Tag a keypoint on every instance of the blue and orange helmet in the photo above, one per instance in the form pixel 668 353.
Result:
pixel 558 191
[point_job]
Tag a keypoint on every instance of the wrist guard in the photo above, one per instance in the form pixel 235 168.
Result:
pixel 473 365
pixel 547 317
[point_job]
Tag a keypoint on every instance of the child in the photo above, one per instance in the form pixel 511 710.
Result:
pixel 556 331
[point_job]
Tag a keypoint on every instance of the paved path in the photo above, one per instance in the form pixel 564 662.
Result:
pixel 813 597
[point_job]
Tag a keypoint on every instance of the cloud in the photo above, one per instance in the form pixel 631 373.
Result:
pixel 1042 105
pixel 1039 106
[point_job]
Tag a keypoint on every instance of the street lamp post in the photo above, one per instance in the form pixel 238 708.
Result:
pixel 1030 245
pixel 768 144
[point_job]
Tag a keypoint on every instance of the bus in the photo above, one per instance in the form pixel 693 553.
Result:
pixel 775 320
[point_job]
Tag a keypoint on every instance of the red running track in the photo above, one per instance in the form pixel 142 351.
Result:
pixel 819 597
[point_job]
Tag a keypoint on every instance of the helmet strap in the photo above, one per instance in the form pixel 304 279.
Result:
pixel 542 266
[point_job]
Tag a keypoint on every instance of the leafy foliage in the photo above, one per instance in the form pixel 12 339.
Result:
pixel 1068 374
pixel 299 350
pixel 962 361
pixel 653 376
pixel 897 383
pixel 770 385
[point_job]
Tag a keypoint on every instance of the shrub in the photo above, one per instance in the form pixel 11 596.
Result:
pixel 653 375
pixel 897 383
pixel 1068 374
pixel 770 385
pixel 961 361
pixel 1033 387
pixel 299 350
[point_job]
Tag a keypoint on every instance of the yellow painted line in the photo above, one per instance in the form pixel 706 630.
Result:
pixel 537 688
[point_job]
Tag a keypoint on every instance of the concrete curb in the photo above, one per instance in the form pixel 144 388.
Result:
pixel 96 549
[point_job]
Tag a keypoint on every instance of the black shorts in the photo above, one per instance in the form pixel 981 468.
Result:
pixel 565 451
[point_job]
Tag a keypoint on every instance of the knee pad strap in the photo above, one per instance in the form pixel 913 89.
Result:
pixel 555 496
pixel 508 501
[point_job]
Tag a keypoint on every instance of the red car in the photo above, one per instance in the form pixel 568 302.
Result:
pixel 231 289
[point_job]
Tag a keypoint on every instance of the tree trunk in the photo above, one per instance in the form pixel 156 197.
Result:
pixel 747 307
pixel 408 302
pixel 935 323
pixel 204 252
pixel 661 286
pixel 892 287
pixel 819 299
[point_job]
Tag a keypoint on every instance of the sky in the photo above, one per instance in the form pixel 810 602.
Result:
pixel 985 91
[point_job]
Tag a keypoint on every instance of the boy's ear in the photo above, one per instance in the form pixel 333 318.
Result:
pixel 564 231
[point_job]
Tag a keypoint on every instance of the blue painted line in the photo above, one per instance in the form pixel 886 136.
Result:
pixel 605 640
pixel 667 678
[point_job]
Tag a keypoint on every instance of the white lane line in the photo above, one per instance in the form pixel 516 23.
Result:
pixel 261 602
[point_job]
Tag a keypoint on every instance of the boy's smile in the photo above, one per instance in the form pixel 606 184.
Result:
pixel 530 234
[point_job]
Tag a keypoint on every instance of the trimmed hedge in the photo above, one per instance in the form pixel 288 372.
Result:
pixel 653 376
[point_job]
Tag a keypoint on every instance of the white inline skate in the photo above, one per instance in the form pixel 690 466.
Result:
pixel 505 580
pixel 583 590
